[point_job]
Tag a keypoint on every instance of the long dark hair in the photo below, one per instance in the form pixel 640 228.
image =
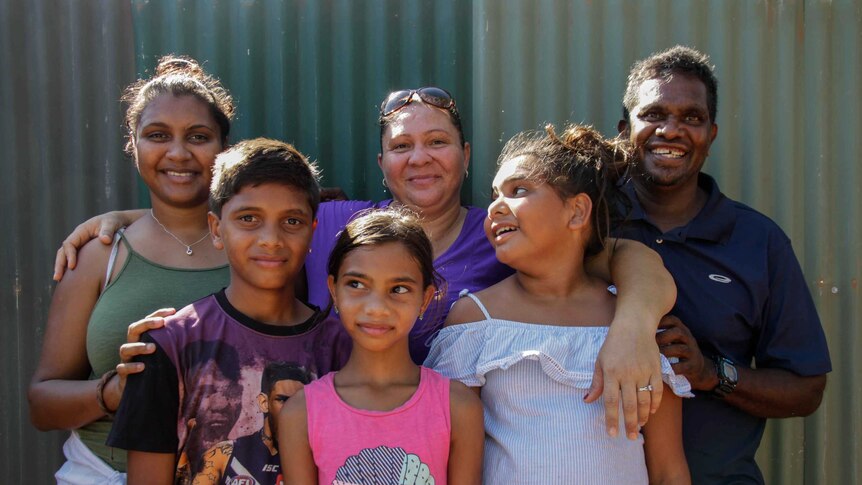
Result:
pixel 381 226
pixel 178 76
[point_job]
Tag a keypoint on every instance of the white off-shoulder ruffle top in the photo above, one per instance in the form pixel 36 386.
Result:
pixel 534 378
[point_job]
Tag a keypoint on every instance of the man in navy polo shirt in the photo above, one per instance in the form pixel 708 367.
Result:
pixel 742 298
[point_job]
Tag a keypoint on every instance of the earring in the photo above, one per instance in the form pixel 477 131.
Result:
pixel 335 309
pixel 421 315
pixel 466 173
pixel 384 183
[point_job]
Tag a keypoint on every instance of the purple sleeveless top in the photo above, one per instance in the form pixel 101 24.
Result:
pixel 470 263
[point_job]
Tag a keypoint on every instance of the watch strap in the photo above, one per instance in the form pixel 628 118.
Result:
pixel 726 385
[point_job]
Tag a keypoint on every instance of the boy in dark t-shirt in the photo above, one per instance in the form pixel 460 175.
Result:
pixel 198 387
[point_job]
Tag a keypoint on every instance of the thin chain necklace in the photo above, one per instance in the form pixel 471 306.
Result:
pixel 188 246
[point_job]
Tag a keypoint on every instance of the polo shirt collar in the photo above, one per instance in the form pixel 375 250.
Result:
pixel 714 222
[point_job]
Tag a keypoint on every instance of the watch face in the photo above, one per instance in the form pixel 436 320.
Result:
pixel 729 370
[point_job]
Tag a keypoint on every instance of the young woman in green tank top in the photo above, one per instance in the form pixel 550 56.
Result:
pixel 178 121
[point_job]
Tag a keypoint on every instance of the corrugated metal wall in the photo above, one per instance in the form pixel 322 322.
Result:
pixel 63 65
pixel 313 73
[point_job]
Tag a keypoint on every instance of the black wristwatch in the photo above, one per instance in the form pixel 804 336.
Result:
pixel 727 376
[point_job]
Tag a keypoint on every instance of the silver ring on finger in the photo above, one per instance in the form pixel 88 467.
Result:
pixel 645 388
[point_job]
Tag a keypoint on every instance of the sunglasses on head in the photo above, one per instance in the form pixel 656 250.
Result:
pixel 434 96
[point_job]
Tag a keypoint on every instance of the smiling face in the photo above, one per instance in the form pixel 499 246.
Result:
pixel 175 146
pixel 671 128
pixel 526 218
pixel 423 161
pixel 265 231
pixel 379 294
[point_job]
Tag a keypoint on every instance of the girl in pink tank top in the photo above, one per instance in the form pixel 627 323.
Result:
pixel 382 419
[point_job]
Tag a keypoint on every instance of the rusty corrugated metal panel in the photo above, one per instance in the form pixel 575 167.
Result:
pixel 313 72
pixel 64 64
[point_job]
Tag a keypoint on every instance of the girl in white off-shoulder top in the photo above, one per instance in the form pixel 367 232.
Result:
pixel 530 342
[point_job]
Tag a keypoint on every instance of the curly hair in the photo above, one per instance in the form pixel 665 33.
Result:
pixel 580 160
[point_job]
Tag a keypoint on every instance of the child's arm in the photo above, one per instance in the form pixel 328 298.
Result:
pixel 151 468
pixel 297 462
pixel 665 458
pixel 146 421
pixel 468 435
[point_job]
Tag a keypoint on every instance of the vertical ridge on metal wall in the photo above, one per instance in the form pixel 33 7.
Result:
pixel 64 66
pixel 313 73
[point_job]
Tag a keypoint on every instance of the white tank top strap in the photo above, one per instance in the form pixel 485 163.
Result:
pixel 466 292
pixel 113 258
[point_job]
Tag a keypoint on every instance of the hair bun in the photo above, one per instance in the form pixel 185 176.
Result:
pixel 173 64
pixel 582 138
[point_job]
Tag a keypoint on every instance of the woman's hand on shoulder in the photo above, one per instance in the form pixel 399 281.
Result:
pixel 102 227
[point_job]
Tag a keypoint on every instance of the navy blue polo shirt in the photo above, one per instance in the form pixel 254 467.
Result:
pixel 742 294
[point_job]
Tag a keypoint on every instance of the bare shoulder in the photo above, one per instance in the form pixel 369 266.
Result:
pixel 463 310
pixel 294 410
pixel 293 423
pixel 92 262
pixel 463 400
pixel 496 296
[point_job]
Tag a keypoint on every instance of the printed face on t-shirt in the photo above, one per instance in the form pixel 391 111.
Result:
pixel 278 396
pixel 215 420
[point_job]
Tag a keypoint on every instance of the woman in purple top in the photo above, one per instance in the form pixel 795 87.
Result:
pixel 425 159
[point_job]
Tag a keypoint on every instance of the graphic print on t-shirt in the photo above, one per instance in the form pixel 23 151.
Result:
pixel 204 391
pixel 253 459
pixel 383 466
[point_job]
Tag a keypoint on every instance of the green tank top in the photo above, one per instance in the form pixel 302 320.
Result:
pixel 140 288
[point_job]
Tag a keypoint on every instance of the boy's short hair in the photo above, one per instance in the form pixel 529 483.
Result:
pixel 259 161
pixel 281 371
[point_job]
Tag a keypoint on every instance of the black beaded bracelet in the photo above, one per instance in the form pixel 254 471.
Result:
pixel 100 389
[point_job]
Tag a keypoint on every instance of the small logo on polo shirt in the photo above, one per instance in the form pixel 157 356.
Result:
pixel 719 278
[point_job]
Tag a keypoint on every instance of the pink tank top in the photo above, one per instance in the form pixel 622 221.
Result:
pixel 409 444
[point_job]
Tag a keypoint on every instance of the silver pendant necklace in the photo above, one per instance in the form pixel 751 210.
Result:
pixel 188 246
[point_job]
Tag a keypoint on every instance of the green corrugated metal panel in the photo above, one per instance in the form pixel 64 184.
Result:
pixel 64 64
pixel 789 109
pixel 313 72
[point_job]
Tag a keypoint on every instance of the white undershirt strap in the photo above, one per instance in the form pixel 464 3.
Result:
pixel 113 258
